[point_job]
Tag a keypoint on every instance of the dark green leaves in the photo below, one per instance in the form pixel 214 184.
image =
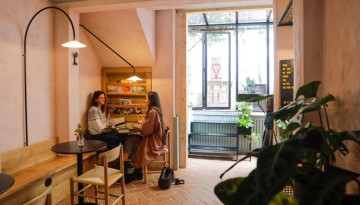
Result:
pixel 291 128
pixel 327 188
pixel 252 97
pixel 225 190
pixel 275 166
pixel 309 90
pixel 351 135
pixel 287 111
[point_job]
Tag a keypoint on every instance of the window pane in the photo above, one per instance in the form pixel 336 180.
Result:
pixel 194 69
pixel 271 59
pixel 220 17
pixel 252 56
pixel 196 19
pixel 252 16
pixel 218 70
pixel 271 16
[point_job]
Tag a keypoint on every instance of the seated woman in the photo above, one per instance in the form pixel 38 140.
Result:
pixel 153 142
pixel 97 120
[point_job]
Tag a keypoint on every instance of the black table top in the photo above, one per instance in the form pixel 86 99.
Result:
pixel 73 148
pixel 6 181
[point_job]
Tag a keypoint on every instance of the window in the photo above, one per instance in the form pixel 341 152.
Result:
pixel 224 48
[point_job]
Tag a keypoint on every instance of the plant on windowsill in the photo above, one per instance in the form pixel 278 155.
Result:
pixel 244 124
pixel 244 107
pixel 304 159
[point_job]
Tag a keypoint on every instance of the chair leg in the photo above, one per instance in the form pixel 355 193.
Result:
pixel 106 188
pixel 72 191
pixel 96 193
pixel 123 189
pixel 145 174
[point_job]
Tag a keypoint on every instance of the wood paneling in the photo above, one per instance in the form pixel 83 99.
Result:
pixel 24 157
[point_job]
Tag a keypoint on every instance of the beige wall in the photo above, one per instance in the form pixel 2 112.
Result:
pixel 341 72
pixel 14 17
pixel 89 76
pixel 163 72
pixel 283 45
pixel 328 49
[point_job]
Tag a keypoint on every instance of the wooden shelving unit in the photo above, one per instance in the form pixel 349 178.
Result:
pixel 112 76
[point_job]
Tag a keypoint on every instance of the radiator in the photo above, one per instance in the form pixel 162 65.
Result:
pixel 224 128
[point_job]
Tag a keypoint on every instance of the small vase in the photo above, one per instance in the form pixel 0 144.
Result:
pixel 81 141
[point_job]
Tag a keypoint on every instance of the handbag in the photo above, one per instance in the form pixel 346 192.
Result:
pixel 167 177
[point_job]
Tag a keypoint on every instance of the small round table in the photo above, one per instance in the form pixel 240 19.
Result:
pixel 6 181
pixel 73 148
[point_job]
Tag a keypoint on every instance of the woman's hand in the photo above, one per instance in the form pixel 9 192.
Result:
pixel 141 121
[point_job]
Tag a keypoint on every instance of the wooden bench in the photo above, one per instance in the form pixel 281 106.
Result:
pixel 31 166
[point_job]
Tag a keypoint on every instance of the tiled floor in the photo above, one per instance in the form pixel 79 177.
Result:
pixel 201 176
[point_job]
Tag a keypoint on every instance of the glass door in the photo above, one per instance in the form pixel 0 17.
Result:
pixel 217 70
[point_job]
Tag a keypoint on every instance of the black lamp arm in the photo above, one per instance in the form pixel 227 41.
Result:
pixel 108 47
pixel 25 90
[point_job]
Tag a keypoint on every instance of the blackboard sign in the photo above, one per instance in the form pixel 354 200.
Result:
pixel 260 89
pixel 286 81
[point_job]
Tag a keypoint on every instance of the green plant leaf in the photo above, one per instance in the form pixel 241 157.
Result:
pixel 300 177
pixel 326 189
pixel 351 135
pixel 291 128
pixel 252 97
pixel 316 104
pixel 288 111
pixel 350 200
pixel 275 166
pixel 225 190
pixel 282 199
pixel 309 90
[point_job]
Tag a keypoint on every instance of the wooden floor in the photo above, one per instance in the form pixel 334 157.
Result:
pixel 201 176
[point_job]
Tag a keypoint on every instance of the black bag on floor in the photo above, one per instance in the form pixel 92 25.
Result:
pixel 167 177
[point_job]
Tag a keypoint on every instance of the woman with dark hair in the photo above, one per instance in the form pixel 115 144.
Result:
pixel 269 124
pixel 154 137
pixel 97 120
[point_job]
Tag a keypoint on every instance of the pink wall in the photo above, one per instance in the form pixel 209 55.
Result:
pixel 163 72
pixel 90 76
pixel 14 17
pixel 283 45
pixel 147 20
pixel 341 75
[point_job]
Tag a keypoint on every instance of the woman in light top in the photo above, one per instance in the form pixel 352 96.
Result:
pixel 153 140
pixel 97 120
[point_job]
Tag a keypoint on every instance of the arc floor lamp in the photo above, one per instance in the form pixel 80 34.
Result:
pixel 73 44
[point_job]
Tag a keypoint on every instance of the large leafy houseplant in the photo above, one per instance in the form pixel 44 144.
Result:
pixel 306 158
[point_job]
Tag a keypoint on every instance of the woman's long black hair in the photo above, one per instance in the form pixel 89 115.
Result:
pixel 154 100
pixel 96 96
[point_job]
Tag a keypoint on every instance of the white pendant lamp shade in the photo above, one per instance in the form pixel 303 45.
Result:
pixel 73 44
pixel 134 78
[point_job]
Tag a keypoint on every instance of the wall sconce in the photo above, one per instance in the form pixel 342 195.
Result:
pixel 73 44
pixel 133 78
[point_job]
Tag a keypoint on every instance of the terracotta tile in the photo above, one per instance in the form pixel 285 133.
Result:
pixel 193 202
pixel 143 185
pixel 133 195
pixel 144 200
pixel 149 194
pixel 131 201
pixel 177 197
pixel 172 202
pixel 161 199
pixel 138 190
pixel 207 201
pixel 164 193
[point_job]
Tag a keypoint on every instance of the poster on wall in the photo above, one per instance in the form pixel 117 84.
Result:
pixel 260 89
pixel 286 81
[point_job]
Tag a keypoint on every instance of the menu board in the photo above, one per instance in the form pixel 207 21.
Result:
pixel 260 89
pixel 286 82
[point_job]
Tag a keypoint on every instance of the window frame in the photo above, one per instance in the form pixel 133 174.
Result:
pixel 237 25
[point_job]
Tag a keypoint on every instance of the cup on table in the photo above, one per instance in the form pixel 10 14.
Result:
pixel 130 126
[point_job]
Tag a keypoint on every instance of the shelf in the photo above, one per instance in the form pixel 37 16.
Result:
pixel 127 84
pixel 122 94
pixel 125 106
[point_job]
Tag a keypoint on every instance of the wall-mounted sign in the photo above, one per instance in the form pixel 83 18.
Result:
pixel 286 82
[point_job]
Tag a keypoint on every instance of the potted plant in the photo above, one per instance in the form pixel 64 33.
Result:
pixel 281 127
pixel 253 138
pixel 244 107
pixel 306 158
pixel 244 124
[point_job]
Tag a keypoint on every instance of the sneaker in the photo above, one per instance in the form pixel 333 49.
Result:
pixel 136 175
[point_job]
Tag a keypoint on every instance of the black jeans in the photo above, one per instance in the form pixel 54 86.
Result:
pixel 109 139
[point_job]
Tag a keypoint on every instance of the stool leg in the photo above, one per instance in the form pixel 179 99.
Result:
pixel 145 174
pixel 71 191
pixel 96 193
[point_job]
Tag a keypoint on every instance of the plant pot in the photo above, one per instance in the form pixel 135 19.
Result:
pixel 244 131
pixel 251 109
pixel 252 140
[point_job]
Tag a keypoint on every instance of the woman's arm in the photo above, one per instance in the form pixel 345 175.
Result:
pixel 151 123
